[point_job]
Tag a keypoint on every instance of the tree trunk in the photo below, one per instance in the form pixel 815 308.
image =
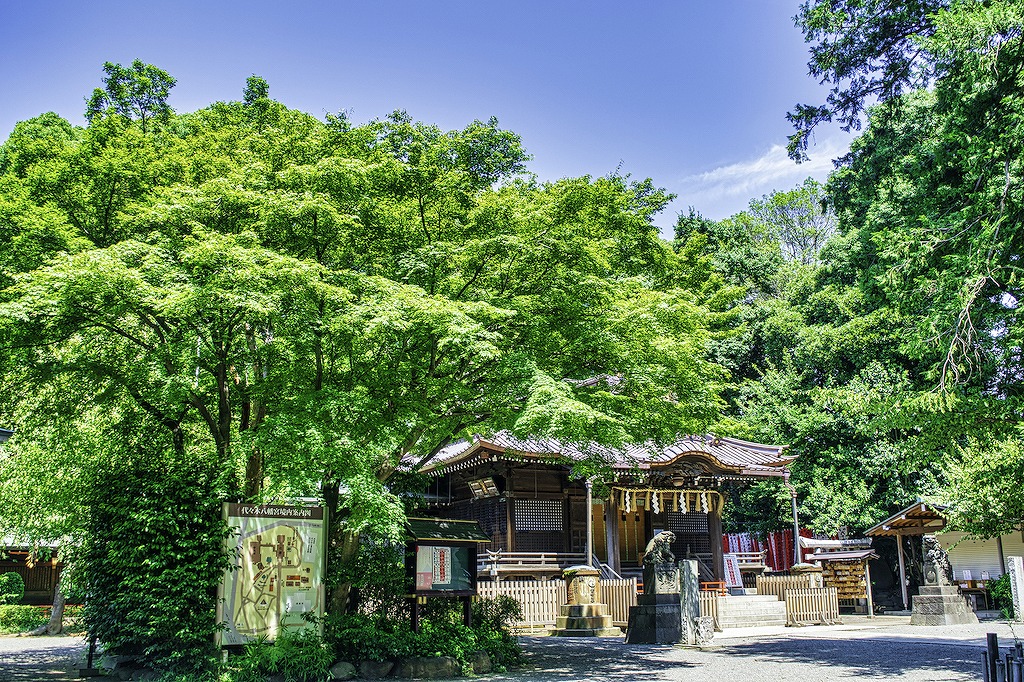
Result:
pixel 343 547
pixel 56 624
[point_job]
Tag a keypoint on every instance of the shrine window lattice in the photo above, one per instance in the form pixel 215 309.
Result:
pixel 691 531
pixel 538 515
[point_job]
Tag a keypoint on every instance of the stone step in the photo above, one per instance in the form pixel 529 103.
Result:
pixel 583 623
pixel 595 632
pixel 752 623
pixel 751 611
pixel 748 615
pixel 747 599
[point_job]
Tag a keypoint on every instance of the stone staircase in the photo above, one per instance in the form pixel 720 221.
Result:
pixel 747 611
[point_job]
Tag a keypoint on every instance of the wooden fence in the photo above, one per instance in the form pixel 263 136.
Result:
pixel 541 599
pixel 709 606
pixel 619 594
pixel 778 584
pixel 812 606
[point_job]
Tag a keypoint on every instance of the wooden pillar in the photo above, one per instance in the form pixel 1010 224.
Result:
pixel 867 585
pixel 510 522
pixel 715 531
pixel 611 534
pixel 903 570
pixel 510 511
pixel 590 523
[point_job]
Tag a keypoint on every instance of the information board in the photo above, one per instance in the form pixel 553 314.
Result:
pixel 442 568
pixel 279 570
pixel 733 577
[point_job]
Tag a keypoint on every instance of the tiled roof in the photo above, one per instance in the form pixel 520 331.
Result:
pixel 752 459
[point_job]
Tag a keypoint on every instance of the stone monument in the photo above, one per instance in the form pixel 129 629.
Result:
pixel 695 629
pixel 584 615
pixel 657 617
pixel 939 601
pixel 1015 567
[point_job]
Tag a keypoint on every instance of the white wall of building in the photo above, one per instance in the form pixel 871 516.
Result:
pixel 979 556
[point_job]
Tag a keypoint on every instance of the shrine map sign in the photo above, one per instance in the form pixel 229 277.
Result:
pixel 279 575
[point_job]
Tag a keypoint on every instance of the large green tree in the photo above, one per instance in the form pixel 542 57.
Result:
pixel 310 307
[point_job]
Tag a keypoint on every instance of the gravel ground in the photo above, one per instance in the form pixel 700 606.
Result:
pixel 885 648
pixel 40 659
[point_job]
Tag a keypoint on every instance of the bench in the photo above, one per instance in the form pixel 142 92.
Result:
pixel 537 565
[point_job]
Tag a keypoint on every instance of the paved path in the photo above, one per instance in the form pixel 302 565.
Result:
pixel 40 659
pixel 884 648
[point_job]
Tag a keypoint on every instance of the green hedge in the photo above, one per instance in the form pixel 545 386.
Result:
pixel 12 588
pixel 153 561
pixel 20 618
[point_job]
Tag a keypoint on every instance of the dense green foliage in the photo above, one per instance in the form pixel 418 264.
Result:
pixel 1002 595
pixel 245 302
pixel 20 618
pixel 892 362
pixel 153 558
pixel 299 307
pixel 12 588
pixel 377 636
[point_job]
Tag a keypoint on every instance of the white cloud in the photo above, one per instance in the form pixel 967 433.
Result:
pixel 727 190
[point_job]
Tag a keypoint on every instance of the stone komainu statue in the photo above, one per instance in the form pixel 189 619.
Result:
pixel 659 549
pixel 937 569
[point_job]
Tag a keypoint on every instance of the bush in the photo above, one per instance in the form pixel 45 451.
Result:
pixel 493 620
pixel 357 637
pixel 360 637
pixel 1002 596
pixel 153 561
pixel 298 657
pixel 12 588
pixel 20 618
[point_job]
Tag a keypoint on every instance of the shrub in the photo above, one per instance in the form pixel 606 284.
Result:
pixel 359 637
pixel 153 561
pixel 493 620
pixel 20 618
pixel 12 588
pixel 298 657
pixel 1002 596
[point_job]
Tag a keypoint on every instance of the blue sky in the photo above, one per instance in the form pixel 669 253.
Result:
pixel 691 93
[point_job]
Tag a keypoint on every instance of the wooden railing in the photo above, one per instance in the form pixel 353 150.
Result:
pixel 709 606
pixel 812 606
pixel 778 584
pixel 537 565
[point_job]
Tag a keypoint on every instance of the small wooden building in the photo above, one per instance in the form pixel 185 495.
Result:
pixel 974 562
pixel 524 497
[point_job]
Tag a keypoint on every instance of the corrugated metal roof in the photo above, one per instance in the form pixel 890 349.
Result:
pixel 742 457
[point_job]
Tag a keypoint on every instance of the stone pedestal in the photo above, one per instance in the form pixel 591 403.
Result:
pixel 584 616
pixel 657 617
pixel 939 602
pixel 941 605
pixel 813 573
